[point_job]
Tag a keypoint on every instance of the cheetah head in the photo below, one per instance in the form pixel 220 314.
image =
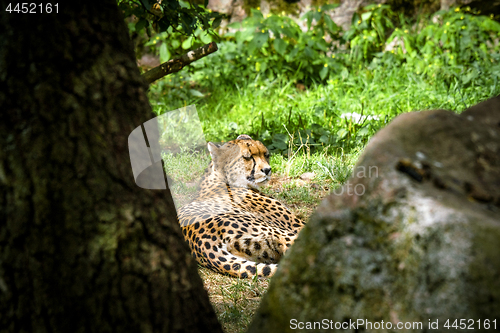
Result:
pixel 243 162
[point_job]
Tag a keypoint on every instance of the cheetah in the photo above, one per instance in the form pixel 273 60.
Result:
pixel 230 226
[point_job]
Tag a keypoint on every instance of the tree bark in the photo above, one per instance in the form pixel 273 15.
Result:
pixel 82 248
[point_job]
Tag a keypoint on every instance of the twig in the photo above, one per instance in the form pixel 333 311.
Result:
pixel 176 64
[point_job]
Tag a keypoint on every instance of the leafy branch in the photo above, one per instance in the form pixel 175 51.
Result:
pixel 176 64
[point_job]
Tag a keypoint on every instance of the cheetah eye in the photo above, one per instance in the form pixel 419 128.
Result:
pixel 247 157
pixel 266 155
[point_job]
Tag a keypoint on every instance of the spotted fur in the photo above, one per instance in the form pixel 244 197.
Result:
pixel 230 226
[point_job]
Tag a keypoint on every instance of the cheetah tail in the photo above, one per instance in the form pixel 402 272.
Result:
pixel 240 267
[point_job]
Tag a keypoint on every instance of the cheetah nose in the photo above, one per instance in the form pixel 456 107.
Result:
pixel 267 171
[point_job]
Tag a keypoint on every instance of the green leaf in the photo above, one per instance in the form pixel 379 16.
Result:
pixel 323 73
pixel 280 46
pixel 265 135
pixel 308 16
pixel 280 137
pixel 470 76
pixel 164 53
pixel 317 16
pixel 407 43
pixel 141 24
pixel 490 25
pixel 366 16
pixel 216 22
pixel 321 45
pixel 187 22
pixel 146 4
pixel 237 36
pixel 258 41
pixel 280 145
pixel 309 52
pixel 444 39
pixel 363 132
pixel 329 6
pixel 344 74
pixel 354 20
pixel 205 38
pixel 175 43
pixel 342 133
pixel 196 93
pixel 163 24
pixel 234 25
pixel 263 67
pixel 332 27
pixel 256 13
pixel 291 56
pixel 324 139
pixel 187 43
pixel 288 32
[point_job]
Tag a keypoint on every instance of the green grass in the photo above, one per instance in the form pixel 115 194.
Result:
pixel 234 300
pixel 184 170
pixel 333 167
pixel 263 108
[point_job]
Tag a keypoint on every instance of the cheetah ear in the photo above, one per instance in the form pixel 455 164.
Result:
pixel 244 137
pixel 213 149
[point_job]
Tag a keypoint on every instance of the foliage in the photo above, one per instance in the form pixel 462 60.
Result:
pixel 368 32
pixel 452 38
pixel 171 43
pixel 272 46
pixel 181 16
pixel 179 25
pixel 260 85
pixel 276 45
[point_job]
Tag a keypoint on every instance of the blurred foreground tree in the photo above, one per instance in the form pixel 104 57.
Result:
pixel 82 248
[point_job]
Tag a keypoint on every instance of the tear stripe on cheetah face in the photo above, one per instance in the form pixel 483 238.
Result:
pixel 231 227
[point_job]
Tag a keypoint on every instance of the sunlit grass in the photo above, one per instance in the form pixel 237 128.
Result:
pixel 184 170
pixel 234 300
pixel 263 108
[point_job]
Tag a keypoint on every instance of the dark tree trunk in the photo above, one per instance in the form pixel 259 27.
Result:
pixel 82 248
